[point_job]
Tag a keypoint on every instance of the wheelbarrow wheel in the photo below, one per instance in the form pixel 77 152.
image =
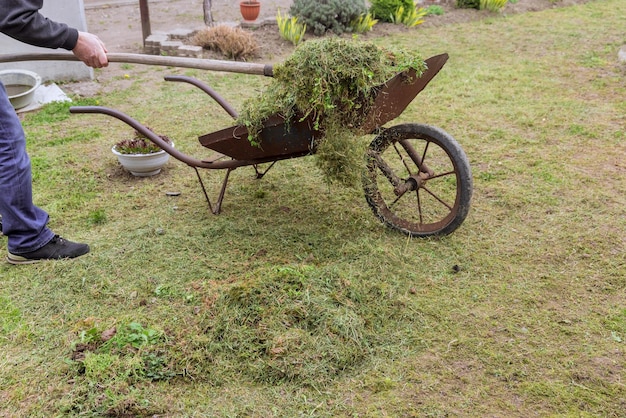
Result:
pixel 418 180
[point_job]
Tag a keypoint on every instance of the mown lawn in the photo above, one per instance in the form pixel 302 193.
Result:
pixel 296 301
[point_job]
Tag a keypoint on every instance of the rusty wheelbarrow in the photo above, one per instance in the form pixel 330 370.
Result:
pixel 417 179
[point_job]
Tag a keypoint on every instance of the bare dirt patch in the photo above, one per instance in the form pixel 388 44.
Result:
pixel 118 23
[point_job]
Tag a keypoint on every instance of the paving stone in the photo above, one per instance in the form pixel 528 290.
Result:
pixel 192 51
pixel 181 33
pixel 171 45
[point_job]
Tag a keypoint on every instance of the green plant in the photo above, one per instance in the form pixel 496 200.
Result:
pixel 290 29
pixel 128 343
pixel 434 10
pixel 328 15
pixel 97 217
pixel 136 335
pixel 492 5
pixel 468 4
pixel 364 23
pixel 410 17
pixel 139 144
pixel 386 9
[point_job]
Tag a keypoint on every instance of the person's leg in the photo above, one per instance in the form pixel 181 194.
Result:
pixel 22 221
pixel 29 239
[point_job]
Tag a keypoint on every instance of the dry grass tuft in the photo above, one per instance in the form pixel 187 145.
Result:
pixel 234 43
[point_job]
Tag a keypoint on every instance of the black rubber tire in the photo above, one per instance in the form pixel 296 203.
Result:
pixel 418 180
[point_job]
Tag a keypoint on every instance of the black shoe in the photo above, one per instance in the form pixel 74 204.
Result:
pixel 56 249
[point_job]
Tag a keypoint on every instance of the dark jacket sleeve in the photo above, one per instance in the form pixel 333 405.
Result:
pixel 21 20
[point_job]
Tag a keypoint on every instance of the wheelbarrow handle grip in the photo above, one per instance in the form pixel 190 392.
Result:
pixel 197 63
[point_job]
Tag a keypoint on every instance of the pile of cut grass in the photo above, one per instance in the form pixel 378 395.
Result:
pixel 330 82
pixel 301 324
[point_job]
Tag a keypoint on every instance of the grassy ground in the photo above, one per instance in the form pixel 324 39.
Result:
pixel 296 301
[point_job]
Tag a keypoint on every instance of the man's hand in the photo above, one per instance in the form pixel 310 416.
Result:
pixel 91 50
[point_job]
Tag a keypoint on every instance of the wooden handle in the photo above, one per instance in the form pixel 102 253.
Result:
pixel 200 64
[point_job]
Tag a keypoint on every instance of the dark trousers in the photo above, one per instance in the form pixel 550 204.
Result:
pixel 22 222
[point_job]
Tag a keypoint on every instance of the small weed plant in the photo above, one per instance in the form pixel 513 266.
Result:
pixel 112 359
pixel 434 10
pixel 290 28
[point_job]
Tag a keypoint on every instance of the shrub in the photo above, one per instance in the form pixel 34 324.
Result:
pixel 328 15
pixel 290 29
pixel 234 43
pixel 385 9
pixel 468 4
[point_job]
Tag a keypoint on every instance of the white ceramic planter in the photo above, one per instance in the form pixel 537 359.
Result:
pixel 142 165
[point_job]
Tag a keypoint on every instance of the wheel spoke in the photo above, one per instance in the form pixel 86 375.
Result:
pixel 392 204
pixel 419 161
pixel 386 170
pixel 436 197
pixel 437 176
pixel 418 203
pixel 419 206
pixel 408 169
pixel 425 151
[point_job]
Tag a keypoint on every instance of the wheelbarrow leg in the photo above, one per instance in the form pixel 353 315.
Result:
pixel 218 204
pixel 259 173
pixel 220 198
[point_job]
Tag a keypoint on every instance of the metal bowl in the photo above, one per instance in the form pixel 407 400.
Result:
pixel 20 86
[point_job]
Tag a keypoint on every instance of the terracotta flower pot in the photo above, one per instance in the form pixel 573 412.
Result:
pixel 250 10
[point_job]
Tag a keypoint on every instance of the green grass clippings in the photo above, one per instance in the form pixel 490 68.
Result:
pixel 330 81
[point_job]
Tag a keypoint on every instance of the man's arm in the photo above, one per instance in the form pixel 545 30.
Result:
pixel 20 19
